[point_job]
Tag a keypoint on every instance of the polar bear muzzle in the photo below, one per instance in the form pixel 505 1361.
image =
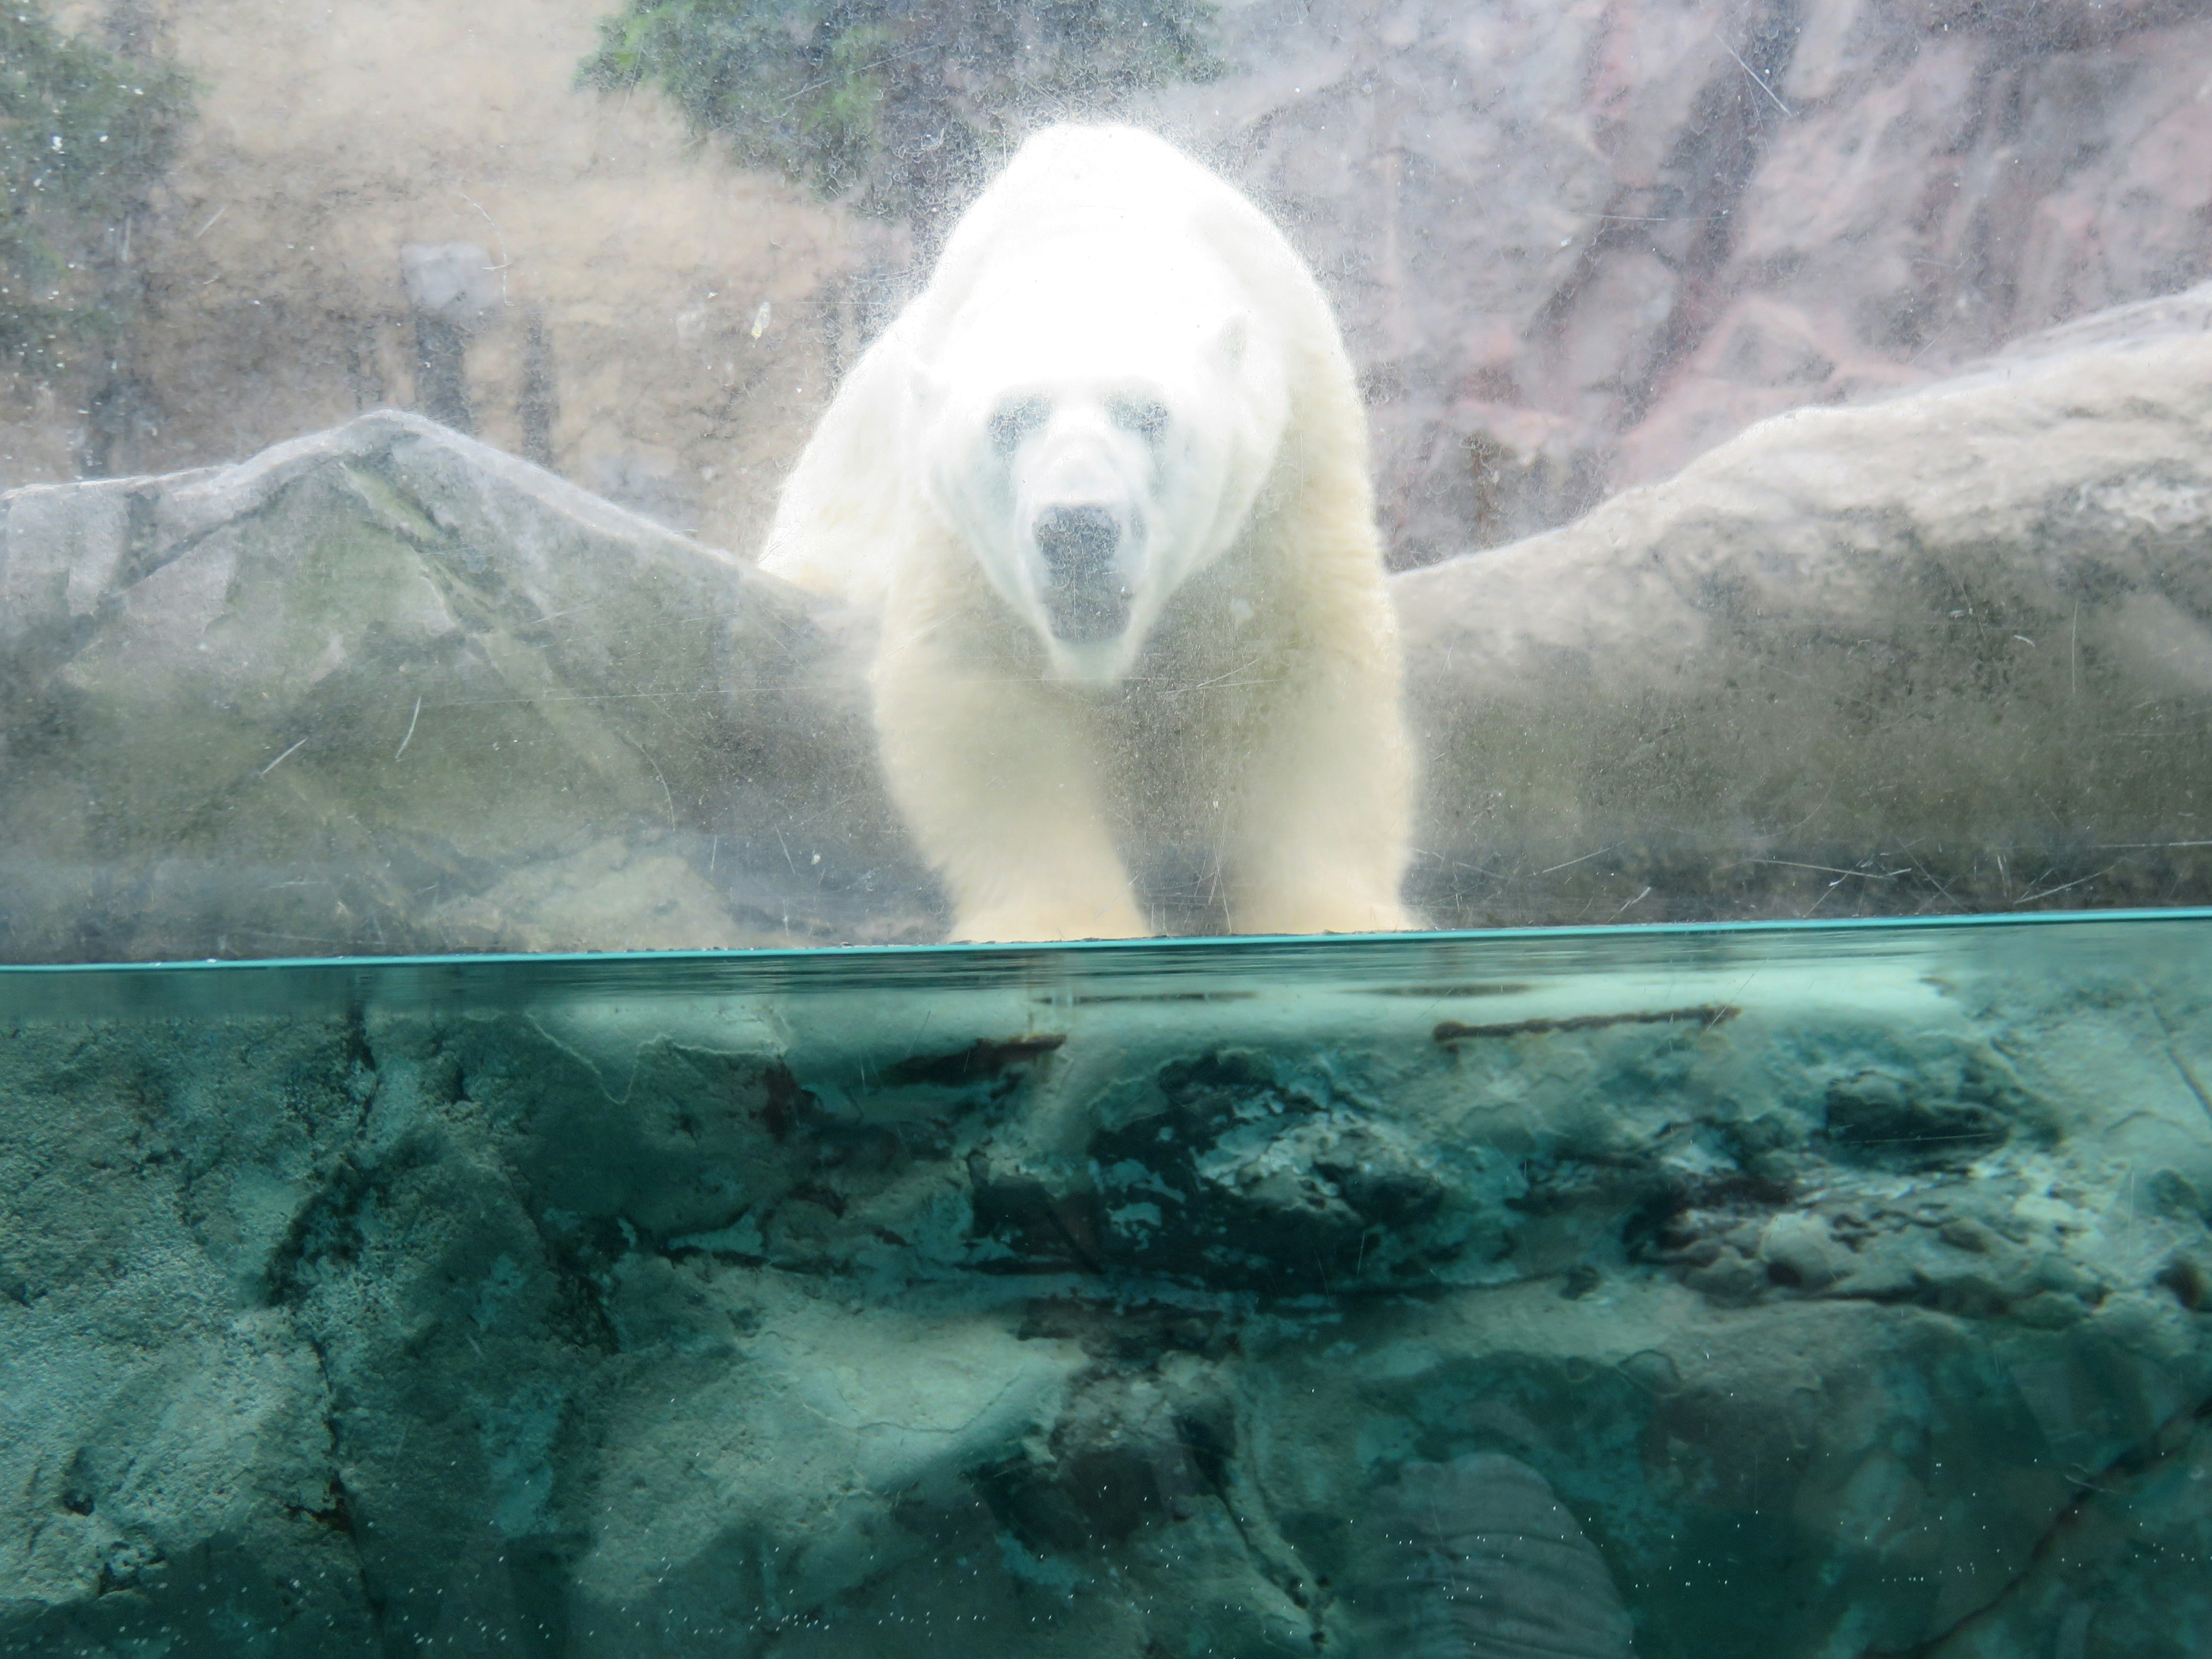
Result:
pixel 1085 598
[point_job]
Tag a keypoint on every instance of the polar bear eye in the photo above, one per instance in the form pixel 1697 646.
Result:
pixel 1015 421
pixel 1143 416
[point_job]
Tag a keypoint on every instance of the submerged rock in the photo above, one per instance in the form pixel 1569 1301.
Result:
pixel 765 1309
pixel 1481 1558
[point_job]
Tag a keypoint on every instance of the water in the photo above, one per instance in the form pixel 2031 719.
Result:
pixel 1765 1290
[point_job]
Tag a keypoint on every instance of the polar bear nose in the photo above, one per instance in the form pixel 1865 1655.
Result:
pixel 1077 542
pixel 1083 594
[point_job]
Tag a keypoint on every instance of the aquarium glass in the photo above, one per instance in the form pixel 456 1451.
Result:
pixel 1113 829
pixel 1693 460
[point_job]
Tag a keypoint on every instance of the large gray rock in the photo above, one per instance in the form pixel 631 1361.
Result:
pixel 387 689
pixel 1951 651
pixel 1749 1297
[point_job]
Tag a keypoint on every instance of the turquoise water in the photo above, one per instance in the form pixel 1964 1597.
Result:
pixel 1773 1289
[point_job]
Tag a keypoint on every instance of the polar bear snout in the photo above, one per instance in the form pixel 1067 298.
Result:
pixel 1085 597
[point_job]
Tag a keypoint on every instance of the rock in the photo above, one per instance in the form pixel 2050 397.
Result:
pixel 387 689
pixel 754 1306
pixel 1487 1561
pixel 1576 245
pixel 1947 651
pixel 2124 1571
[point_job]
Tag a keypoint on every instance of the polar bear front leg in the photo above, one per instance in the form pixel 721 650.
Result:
pixel 999 787
pixel 1324 828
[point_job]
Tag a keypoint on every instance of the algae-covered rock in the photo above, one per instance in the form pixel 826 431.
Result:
pixel 775 1308
pixel 387 689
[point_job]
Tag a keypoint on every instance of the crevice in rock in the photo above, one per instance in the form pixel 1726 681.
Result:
pixel 2171 1440
pixel 339 1186
pixel 1707 1016
pixel 337 1517
pixel 1711 167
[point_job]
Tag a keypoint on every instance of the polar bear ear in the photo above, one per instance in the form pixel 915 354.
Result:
pixel 1228 340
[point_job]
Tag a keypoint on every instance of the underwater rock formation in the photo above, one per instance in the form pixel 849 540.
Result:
pixel 1487 1561
pixel 384 689
pixel 778 1309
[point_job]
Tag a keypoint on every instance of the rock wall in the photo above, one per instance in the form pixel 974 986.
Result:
pixel 1949 651
pixel 1578 244
pixel 1762 1299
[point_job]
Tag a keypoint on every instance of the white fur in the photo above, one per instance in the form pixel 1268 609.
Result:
pixel 1113 331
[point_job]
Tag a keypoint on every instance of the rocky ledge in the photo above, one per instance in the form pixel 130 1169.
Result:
pixel 384 689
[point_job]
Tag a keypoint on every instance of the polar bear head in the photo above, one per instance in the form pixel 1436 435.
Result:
pixel 1096 435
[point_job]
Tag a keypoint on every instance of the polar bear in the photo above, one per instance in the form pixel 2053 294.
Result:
pixel 1107 477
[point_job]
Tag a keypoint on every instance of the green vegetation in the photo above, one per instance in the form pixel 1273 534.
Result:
pixel 893 104
pixel 83 134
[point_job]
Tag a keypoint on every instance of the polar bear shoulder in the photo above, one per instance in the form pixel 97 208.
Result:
pixel 834 531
